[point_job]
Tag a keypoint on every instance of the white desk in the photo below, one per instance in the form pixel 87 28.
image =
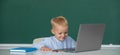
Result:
pixel 103 51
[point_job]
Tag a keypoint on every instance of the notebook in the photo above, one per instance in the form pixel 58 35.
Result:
pixel 23 49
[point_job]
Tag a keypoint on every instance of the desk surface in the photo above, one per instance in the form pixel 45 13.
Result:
pixel 103 51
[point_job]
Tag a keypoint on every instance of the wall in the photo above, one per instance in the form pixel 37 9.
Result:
pixel 23 20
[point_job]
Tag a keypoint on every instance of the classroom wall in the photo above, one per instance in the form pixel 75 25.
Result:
pixel 23 20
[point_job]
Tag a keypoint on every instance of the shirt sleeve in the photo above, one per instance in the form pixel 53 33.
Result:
pixel 40 44
pixel 73 43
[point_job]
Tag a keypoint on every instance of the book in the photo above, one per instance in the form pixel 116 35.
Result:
pixel 18 53
pixel 23 49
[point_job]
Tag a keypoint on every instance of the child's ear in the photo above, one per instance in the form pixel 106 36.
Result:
pixel 52 31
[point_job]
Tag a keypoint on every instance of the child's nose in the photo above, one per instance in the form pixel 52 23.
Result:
pixel 63 35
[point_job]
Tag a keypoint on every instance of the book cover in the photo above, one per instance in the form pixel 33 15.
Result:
pixel 23 49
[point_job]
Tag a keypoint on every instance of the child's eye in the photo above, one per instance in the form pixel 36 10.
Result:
pixel 60 33
pixel 66 32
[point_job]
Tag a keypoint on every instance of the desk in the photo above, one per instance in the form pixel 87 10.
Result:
pixel 103 51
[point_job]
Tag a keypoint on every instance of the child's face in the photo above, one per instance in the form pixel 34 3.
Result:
pixel 60 32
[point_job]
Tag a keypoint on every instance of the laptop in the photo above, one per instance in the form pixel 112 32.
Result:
pixel 89 38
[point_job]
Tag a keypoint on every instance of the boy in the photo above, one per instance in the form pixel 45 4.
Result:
pixel 60 40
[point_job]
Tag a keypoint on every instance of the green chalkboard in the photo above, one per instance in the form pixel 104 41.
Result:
pixel 23 20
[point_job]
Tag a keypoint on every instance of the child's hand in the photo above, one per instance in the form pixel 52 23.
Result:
pixel 45 49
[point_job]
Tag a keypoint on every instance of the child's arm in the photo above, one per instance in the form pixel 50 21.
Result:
pixel 44 48
pixel 72 41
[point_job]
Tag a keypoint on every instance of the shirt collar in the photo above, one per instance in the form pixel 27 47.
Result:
pixel 58 40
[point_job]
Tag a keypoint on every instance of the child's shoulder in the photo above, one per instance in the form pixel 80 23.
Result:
pixel 49 38
pixel 69 37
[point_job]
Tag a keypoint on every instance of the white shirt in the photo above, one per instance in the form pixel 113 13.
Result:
pixel 53 43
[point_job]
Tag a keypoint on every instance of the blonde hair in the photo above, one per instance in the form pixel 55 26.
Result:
pixel 60 20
